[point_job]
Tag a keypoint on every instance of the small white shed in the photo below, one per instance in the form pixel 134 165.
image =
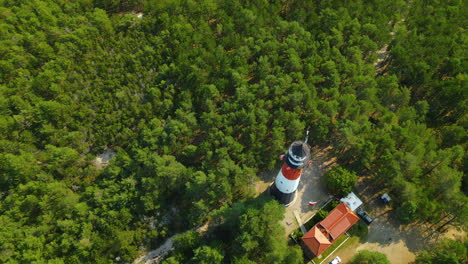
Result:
pixel 352 201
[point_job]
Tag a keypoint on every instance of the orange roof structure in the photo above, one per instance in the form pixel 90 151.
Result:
pixel 339 220
pixel 322 235
pixel 316 241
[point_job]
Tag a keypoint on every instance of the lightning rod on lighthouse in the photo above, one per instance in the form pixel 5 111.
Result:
pixel 284 188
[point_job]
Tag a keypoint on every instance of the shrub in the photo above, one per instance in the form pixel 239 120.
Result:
pixel 340 181
pixel 321 214
pixel 334 204
pixel 360 229
pixel 297 234
pixel 407 212
pixel 369 257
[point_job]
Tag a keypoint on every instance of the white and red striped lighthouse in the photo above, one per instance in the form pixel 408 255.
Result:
pixel 296 158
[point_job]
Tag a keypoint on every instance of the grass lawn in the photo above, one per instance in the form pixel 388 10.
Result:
pixel 350 247
pixel 330 249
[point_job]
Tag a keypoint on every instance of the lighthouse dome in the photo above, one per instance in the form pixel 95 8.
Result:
pixel 298 154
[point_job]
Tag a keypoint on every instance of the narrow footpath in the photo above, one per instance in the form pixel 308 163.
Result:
pixel 157 255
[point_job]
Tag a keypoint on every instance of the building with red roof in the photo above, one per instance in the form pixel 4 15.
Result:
pixel 316 240
pixel 323 234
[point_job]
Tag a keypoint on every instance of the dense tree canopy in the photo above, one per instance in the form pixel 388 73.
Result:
pixel 447 251
pixel 196 98
pixel 245 233
pixel 340 181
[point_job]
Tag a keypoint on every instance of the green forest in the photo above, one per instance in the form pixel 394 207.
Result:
pixel 197 98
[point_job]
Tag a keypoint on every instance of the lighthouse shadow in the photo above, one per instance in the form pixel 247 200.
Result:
pixel 265 179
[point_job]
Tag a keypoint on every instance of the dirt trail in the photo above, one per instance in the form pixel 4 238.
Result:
pixel 157 255
pixel 382 56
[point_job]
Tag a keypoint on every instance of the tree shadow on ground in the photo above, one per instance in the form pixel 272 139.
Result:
pixel 386 229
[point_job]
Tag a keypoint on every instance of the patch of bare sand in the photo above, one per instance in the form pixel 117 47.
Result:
pixel 383 238
pixel 102 160
pixel 157 255
pixel 381 55
pixel 454 234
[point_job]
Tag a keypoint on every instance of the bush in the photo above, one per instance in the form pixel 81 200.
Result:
pixel 369 257
pixel 319 216
pixel 297 234
pixel 407 212
pixel 360 229
pixel 446 251
pixel 340 181
pixel 331 205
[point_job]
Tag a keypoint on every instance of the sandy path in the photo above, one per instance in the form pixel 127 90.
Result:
pixel 382 54
pixel 157 255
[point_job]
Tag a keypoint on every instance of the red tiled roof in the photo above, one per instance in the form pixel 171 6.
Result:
pixel 316 241
pixel 339 220
pixel 322 235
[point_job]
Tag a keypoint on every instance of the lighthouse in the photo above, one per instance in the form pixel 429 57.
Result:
pixel 295 159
